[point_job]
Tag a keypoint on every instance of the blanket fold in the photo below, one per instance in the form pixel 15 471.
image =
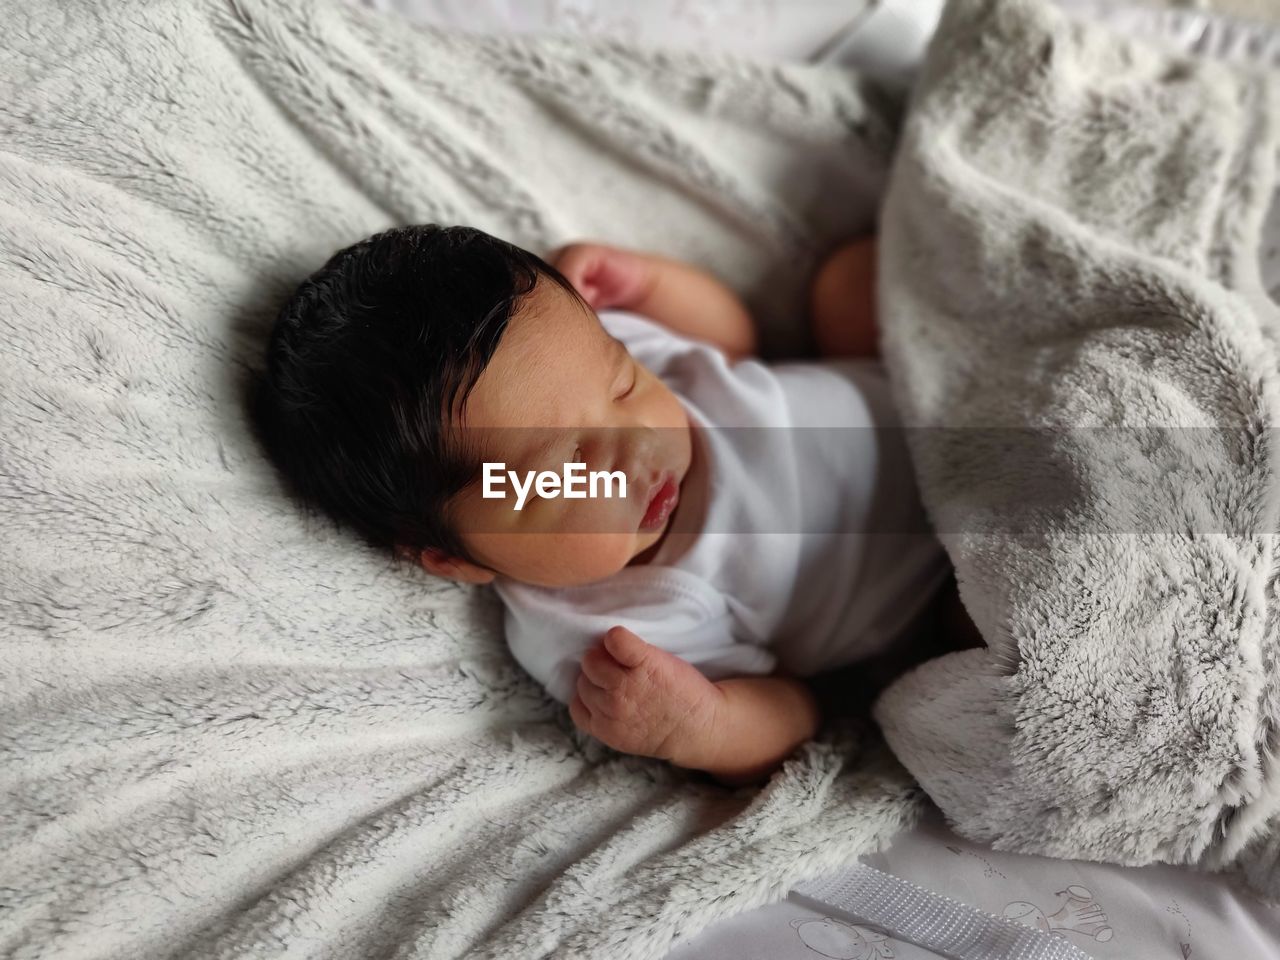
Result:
pixel 1078 337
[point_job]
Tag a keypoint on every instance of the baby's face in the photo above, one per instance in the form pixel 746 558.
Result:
pixel 559 389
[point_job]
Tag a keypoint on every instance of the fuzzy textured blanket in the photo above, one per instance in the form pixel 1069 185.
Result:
pixel 229 732
pixel 1078 333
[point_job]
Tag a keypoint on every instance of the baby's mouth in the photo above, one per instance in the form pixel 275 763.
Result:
pixel 662 501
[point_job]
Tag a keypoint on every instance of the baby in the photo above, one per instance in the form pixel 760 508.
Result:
pixel 740 550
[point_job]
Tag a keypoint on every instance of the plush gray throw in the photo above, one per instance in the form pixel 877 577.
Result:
pixel 1080 341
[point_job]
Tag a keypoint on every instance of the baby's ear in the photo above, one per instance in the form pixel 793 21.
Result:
pixel 440 564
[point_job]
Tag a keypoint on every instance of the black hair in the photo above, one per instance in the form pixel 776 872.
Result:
pixel 370 361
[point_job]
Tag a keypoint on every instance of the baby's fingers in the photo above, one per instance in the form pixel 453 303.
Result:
pixel 579 714
pixel 580 265
pixel 627 648
pixel 598 701
pixel 602 669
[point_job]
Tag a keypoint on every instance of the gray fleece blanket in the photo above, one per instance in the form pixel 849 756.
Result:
pixel 225 730
pixel 1079 338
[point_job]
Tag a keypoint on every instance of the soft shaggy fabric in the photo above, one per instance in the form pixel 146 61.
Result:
pixel 229 732
pixel 1069 252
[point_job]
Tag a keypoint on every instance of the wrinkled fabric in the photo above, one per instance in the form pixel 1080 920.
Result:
pixel 1080 340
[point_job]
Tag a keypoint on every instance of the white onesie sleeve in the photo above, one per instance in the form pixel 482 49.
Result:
pixel 549 629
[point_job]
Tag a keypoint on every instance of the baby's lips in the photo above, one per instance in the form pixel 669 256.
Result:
pixel 661 502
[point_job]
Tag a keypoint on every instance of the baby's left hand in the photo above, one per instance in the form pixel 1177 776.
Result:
pixel 640 699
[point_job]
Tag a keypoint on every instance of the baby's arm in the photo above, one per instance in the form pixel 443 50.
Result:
pixel 678 295
pixel 643 700
pixel 760 723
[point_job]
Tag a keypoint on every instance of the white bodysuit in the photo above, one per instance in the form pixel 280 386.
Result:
pixel 814 552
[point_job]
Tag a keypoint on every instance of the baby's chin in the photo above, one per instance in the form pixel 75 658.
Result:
pixel 646 541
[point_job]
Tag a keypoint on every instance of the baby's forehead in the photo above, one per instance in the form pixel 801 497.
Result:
pixel 554 355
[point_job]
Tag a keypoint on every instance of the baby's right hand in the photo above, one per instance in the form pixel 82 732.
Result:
pixel 605 276
pixel 642 700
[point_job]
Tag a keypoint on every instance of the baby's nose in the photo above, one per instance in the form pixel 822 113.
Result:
pixel 640 455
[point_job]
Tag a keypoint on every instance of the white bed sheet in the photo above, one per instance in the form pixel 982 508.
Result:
pixel 1107 912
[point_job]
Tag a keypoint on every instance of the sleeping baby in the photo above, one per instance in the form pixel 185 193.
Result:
pixel 457 398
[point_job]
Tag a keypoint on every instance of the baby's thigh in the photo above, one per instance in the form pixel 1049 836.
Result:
pixel 842 301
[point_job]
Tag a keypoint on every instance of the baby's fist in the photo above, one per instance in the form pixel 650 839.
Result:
pixel 605 276
pixel 640 699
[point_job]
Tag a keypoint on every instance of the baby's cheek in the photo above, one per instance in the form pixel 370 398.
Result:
pixel 549 559
pixel 563 542
pixel 593 556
